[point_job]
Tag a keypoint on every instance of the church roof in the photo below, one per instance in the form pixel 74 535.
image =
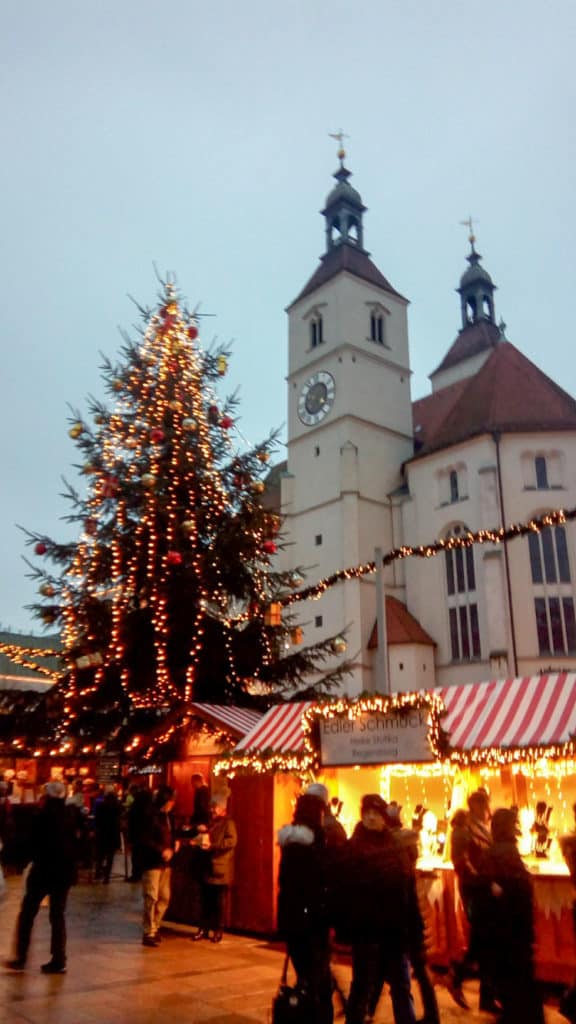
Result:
pixel 401 626
pixel 472 339
pixel 508 394
pixel 354 261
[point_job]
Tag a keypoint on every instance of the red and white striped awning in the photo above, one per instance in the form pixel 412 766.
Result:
pixel 279 730
pixel 534 711
pixel 238 721
pixel 525 712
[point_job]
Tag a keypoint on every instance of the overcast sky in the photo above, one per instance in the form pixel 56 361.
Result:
pixel 194 136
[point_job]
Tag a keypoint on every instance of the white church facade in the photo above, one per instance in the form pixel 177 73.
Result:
pixel 367 468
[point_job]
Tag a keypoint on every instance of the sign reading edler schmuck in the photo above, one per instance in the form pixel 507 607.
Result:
pixel 376 738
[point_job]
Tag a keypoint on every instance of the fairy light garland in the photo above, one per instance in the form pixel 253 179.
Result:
pixel 447 758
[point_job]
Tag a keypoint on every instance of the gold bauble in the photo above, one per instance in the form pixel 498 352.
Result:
pixel 47 590
pixel 189 424
pixel 339 645
pixel 148 481
pixel 262 456
pixel 257 487
pixel 188 526
pixel 174 404
pixel 221 365
pixel 76 430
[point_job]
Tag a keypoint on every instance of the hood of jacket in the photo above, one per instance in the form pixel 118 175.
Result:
pixel 300 834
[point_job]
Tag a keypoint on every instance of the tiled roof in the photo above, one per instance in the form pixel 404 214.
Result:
pixel 508 394
pixel 345 257
pixel 401 626
pixel 473 338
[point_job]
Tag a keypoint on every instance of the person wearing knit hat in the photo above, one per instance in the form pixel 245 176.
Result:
pixel 334 831
pixel 54 852
pixel 318 789
pixel 218 845
pixel 373 888
pixel 55 789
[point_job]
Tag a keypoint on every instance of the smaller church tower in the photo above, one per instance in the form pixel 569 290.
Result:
pixel 349 425
pixel 479 333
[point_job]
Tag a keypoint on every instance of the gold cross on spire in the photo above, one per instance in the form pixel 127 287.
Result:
pixel 339 136
pixel 470 225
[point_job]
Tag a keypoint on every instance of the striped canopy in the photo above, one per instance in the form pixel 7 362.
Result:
pixel 523 712
pixel 238 721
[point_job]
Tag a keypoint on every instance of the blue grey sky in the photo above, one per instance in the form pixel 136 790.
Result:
pixel 194 136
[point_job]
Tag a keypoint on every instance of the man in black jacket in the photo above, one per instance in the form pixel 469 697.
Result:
pixel 374 914
pixel 157 851
pixel 53 852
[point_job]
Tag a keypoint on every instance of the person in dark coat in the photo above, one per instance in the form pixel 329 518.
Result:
pixel 374 915
pixel 201 808
pixel 407 840
pixel 507 931
pixel 137 817
pixel 470 841
pixel 107 814
pixel 157 850
pixel 218 845
pixel 568 847
pixel 53 853
pixel 302 904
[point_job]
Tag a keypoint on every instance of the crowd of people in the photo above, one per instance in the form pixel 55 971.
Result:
pixel 85 829
pixel 358 892
pixel 362 892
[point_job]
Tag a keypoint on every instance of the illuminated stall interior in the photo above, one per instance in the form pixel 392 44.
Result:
pixel 512 737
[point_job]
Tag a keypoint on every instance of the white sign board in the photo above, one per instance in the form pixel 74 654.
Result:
pixel 376 738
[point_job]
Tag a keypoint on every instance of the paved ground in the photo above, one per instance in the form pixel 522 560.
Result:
pixel 113 979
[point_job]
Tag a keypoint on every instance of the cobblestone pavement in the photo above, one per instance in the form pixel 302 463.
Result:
pixel 113 979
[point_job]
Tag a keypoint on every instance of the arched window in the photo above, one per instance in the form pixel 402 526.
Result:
pixel 553 592
pixel 462 600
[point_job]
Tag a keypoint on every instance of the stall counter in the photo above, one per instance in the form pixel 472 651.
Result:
pixel 447 928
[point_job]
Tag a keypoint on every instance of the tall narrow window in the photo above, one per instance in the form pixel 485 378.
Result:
pixel 462 601
pixel 377 328
pixel 316 331
pixel 454 492
pixel 541 473
pixel 553 593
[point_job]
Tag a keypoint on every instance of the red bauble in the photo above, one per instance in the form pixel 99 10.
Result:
pixel 40 548
pixel 226 422
pixel 238 480
pixel 173 558
pixel 192 332
pixel 269 547
pixel 156 435
pixel 213 414
pixel 90 526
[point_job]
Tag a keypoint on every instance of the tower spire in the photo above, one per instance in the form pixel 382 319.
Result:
pixel 344 206
pixel 476 286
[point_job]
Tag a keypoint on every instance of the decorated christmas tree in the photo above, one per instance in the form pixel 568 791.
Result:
pixel 169 595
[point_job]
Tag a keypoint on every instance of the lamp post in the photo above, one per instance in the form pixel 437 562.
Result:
pixel 382 675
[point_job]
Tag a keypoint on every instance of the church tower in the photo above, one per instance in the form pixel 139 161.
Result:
pixel 349 427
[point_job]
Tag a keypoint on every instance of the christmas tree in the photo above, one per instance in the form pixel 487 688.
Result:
pixel 169 594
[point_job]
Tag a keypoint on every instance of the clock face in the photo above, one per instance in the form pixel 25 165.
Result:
pixel 316 397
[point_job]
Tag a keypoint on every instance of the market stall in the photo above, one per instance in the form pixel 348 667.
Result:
pixel 427 752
